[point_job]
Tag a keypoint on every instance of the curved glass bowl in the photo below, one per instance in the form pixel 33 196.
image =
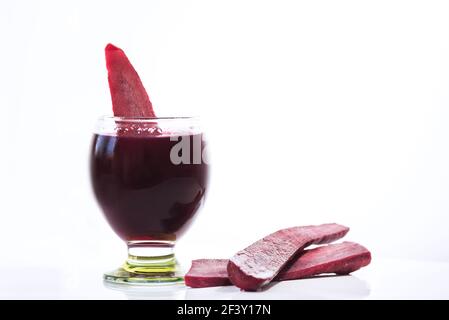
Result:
pixel 150 177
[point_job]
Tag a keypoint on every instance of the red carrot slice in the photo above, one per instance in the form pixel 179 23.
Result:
pixel 129 97
pixel 258 264
pixel 341 258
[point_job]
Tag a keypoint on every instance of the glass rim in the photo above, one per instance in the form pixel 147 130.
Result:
pixel 146 119
pixel 111 125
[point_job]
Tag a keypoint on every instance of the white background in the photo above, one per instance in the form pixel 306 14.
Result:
pixel 316 111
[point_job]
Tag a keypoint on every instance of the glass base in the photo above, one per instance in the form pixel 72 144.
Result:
pixel 121 276
pixel 148 263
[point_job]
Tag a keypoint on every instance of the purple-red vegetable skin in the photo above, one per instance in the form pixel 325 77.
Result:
pixel 341 258
pixel 258 264
pixel 129 97
pixel 207 273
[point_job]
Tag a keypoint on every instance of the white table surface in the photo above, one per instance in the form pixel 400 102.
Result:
pixel 382 279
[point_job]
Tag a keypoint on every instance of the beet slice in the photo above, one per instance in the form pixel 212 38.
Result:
pixel 129 97
pixel 258 264
pixel 341 258
pixel 207 273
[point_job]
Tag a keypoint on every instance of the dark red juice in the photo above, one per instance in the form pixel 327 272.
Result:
pixel 143 194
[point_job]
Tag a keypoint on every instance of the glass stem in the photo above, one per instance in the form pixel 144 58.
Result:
pixel 150 257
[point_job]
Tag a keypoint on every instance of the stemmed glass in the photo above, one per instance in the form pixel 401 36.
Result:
pixel 150 177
